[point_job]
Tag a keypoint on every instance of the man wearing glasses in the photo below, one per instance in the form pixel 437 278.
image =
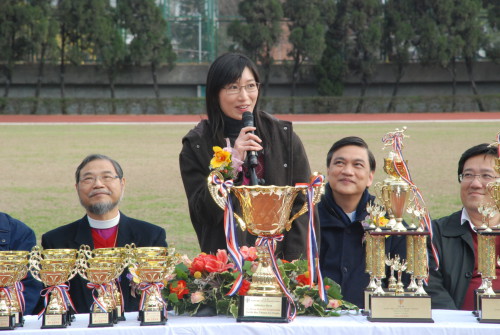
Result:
pixel 100 186
pixel 452 285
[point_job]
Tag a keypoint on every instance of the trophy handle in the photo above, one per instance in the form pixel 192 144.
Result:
pixel 318 192
pixel 220 198
pixel 34 262
pixel 83 254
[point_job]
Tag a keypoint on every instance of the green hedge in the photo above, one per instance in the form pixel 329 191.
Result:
pixel 275 105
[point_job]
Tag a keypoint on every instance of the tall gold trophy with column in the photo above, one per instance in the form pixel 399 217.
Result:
pixel 487 301
pixel 397 197
pixel 266 213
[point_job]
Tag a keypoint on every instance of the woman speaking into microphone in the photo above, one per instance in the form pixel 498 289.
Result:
pixel 264 150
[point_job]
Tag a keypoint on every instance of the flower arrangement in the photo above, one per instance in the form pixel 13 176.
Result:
pixel 221 161
pixel 204 282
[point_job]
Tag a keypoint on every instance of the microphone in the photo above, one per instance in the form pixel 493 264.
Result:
pixel 248 122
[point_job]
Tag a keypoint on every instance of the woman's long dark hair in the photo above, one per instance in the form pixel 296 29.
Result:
pixel 227 69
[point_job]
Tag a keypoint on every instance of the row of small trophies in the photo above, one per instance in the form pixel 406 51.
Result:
pixel 101 267
pixel 487 301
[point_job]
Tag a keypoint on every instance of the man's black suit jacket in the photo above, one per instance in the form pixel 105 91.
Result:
pixel 73 235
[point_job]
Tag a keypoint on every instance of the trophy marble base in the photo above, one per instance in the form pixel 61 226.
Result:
pixel 488 309
pixel 401 308
pixel 119 315
pixel 152 318
pixel 54 321
pixel 100 319
pixel 18 319
pixel 262 309
pixel 7 322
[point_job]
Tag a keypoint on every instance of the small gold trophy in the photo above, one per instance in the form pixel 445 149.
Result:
pixel 266 214
pixel 13 268
pixel 398 195
pixel 54 268
pixel 101 272
pixel 124 256
pixel 486 299
pixel 152 265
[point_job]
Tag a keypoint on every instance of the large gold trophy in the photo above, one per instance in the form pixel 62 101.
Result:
pixel 266 214
pixel 397 196
pixel 152 265
pixel 487 301
pixel 54 268
pixel 13 268
pixel 101 269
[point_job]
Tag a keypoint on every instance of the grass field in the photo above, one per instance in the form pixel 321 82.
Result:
pixel 38 163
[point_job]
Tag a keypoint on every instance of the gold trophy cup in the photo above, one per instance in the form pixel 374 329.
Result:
pixel 265 213
pixel 13 268
pixel 100 271
pixel 152 265
pixel 54 268
pixel 124 255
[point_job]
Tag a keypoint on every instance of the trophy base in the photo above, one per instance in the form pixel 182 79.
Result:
pixel 489 309
pixel 7 322
pixel 262 309
pixel 101 319
pixel 152 318
pixel 18 319
pixel 54 321
pixel 401 308
pixel 119 315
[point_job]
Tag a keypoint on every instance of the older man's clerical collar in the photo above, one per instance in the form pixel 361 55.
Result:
pixel 106 224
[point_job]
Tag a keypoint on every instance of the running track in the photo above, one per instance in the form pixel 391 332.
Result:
pixel 300 118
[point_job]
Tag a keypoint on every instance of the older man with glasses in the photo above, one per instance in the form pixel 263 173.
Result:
pixel 452 285
pixel 100 186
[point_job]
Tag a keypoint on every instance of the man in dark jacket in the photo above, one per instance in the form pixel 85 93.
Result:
pixel 351 167
pixel 15 235
pixel 100 186
pixel 452 285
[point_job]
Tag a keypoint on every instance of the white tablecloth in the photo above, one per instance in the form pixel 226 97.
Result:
pixel 445 323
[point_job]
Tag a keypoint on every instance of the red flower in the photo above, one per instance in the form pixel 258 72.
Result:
pixel 249 253
pixel 303 279
pixel 218 263
pixel 245 285
pixel 180 288
pixel 198 264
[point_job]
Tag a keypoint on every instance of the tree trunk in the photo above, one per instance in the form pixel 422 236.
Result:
pixel 62 69
pixel 295 73
pixel 155 80
pixel 111 78
pixel 454 85
pixel 391 108
pixel 364 85
pixel 39 79
pixel 469 63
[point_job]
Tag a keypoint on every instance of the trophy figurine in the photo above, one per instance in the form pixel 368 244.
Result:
pixel 54 268
pixel 152 265
pixel 266 214
pixel 13 268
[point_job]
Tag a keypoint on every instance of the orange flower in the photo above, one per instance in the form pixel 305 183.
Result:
pixel 221 158
pixel 180 288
